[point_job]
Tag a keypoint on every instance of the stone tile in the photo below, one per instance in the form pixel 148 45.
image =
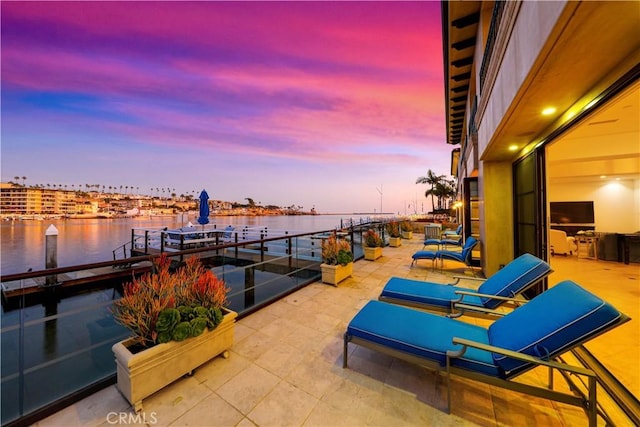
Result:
pixel 323 415
pixel 248 388
pixel 213 410
pixel 245 422
pixel 97 409
pixel 259 319
pixel 280 360
pixel 315 376
pixel 301 337
pixel 279 328
pixel 218 371
pixel 286 405
pixel 254 345
pixel 241 331
pixel 172 402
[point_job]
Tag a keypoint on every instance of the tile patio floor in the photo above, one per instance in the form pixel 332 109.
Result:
pixel 286 369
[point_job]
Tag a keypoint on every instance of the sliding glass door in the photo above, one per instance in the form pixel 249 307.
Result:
pixel 530 209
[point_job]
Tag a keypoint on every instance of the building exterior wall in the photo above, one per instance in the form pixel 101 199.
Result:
pixel 496 215
pixel 527 66
pixel 19 200
pixel 514 60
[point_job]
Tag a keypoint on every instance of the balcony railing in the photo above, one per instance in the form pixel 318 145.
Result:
pixel 57 339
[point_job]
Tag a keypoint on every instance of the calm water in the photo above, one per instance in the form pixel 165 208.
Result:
pixel 82 241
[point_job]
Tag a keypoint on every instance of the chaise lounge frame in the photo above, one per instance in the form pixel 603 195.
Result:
pixel 587 401
pixel 457 308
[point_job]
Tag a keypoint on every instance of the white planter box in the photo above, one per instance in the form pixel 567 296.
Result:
pixel 334 274
pixel 142 374
pixel 394 242
pixel 372 254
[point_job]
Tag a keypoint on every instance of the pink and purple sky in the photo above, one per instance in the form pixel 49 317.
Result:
pixel 305 103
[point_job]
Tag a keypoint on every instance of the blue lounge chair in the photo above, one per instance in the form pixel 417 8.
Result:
pixel 443 242
pixel 535 334
pixel 463 256
pixel 449 233
pixel 515 278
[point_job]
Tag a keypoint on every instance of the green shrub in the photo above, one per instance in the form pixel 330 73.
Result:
pixel 181 332
pixel 198 325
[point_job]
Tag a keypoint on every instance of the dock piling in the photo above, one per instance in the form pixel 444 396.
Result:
pixel 51 252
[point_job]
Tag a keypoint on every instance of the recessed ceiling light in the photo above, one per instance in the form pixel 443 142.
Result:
pixel 603 176
pixel 548 111
pixel 513 147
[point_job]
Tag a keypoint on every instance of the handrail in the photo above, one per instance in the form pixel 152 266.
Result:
pixel 141 258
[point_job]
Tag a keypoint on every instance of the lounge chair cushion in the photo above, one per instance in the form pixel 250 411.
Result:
pixel 420 334
pixel 514 278
pixel 552 322
pixel 428 242
pixel 428 293
pixel 424 255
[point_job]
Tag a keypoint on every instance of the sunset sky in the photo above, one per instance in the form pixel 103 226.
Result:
pixel 312 104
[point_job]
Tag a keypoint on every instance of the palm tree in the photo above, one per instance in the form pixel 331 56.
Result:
pixel 443 190
pixel 432 179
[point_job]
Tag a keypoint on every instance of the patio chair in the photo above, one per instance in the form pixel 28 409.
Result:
pixel 463 256
pixel 228 233
pixel 457 241
pixel 501 288
pixel 533 335
pixel 449 233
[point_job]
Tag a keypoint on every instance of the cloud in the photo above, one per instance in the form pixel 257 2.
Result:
pixel 352 86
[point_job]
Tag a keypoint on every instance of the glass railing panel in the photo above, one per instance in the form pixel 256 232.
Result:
pixel 57 343
pixel 52 350
pixel 285 265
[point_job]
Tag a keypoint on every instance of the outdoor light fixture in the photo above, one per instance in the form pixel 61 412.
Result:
pixel 513 147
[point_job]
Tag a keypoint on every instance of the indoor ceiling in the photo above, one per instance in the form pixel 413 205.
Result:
pixel 606 143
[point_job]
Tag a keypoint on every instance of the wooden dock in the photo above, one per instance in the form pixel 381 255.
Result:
pixel 31 286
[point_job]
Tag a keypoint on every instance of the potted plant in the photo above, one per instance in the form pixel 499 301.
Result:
pixel 407 229
pixel 393 228
pixel 337 260
pixel 177 322
pixel 372 243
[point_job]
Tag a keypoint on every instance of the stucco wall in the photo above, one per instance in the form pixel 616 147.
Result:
pixel 533 25
pixel 496 215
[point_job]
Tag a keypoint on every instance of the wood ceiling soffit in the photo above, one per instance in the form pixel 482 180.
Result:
pixel 462 62
pixel 464 44
pixel 465 21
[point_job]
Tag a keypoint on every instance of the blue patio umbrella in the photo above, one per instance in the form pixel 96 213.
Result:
pixel 204 208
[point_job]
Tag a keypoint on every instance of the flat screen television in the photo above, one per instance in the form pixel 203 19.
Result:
pixel 572 213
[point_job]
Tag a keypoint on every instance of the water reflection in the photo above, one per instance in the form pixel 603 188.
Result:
pixel 82 241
